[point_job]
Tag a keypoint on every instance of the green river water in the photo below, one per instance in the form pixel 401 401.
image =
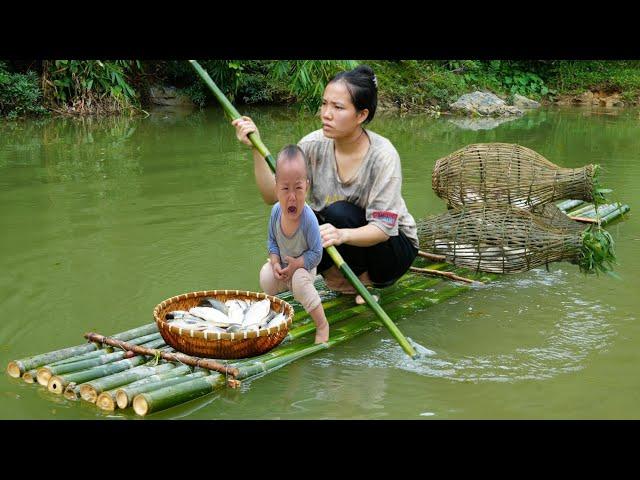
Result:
pixel 102 219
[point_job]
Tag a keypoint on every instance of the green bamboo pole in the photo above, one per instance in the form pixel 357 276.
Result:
pixel 17 367
pixel 89 391
pixel 123 395
pixel 615 214
pixel 58 383
pixel 46 372
pixel 565 205
pixel 149 402
pixel 332 251
pixel 126 395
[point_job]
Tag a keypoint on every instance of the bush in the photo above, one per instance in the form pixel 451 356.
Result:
pixel 20 94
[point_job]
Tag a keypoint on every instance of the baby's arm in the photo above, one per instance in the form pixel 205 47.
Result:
pixel 313 255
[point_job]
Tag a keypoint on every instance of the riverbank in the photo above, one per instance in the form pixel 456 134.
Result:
pixel 113 87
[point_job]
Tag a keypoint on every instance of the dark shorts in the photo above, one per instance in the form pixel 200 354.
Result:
pixel 386 262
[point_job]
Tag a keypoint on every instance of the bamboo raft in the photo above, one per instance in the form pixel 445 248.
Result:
pixel 114 377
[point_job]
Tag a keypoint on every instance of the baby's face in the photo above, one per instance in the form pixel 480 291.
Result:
pixel 291 187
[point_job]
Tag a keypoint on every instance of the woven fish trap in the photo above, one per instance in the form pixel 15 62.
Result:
pixel 508 174
pixel 499 239
pixel 557 218
pixel 221 345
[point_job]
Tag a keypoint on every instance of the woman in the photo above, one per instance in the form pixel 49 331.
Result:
pixel 355 187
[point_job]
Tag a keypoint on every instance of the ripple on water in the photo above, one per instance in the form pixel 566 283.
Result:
pixel 565 339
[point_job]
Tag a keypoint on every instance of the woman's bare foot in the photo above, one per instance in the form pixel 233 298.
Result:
pixel 361 301
pixel 322 333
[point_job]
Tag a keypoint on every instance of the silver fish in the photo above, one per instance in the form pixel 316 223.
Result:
pixel 256 313
pixel 212 302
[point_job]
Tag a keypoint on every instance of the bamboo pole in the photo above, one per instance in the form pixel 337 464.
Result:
pixel 30 376
pixel 565 205
pixel 149 402
pixel 331 250
pixel 58 383
pixel 17 367
pixel 432 256
pixel 89 391
pixel 171 357
pixel 124 394
pixel 46 372
pixel 450 275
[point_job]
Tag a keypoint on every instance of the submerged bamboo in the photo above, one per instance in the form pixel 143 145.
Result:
pixel 17 367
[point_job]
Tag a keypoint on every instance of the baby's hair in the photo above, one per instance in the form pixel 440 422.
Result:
pixel 288 153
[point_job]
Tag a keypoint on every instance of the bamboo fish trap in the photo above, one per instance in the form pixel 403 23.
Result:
pixel 221 345
pixel 509 174
pixel 511 240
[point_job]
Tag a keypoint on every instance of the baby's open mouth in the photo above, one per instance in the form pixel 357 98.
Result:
pixel 291 209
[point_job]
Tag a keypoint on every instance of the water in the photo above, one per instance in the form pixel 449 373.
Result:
pixel 103 219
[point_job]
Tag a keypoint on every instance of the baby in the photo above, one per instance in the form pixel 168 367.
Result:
pixel 295 245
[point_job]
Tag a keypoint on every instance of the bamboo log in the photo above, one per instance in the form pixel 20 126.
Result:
pixel 566 205
pixel 89 391
pixel 450 275
pixel 615 214
pixel 17 367
pixel 30 376
pixel 432 256
pixel 124 394
pixel 58 383
pixel 46 372
pixel 171 357
pixel 149 402
pixel 583 219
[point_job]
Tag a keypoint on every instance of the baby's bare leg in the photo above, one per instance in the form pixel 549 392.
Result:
pixel 305 292
pixel 270 284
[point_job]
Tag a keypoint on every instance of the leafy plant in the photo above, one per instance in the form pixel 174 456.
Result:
pixel 20 93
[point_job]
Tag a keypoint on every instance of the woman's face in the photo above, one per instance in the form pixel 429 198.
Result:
pixel 338 114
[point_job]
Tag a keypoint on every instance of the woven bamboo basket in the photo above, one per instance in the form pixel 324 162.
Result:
pixel 508 174
pixel 221 345
pixel 557 218
pixel 498 239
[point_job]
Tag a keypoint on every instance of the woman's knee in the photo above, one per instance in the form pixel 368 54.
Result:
pixel 344 214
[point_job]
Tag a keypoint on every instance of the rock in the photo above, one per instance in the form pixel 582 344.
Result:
pixel 160 95
pixel 524 102
pixel 483 123
pixel 483 104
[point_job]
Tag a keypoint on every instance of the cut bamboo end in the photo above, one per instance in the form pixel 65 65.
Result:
pixel 43 376
pixel 140 405
pixel 70 393
pixel 28 377
pixel 105 402
pixel 122 399
pixel 88 393
pixel 56 385
pixel 14 369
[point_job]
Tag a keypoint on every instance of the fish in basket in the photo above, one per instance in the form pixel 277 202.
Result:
pixel 223 324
